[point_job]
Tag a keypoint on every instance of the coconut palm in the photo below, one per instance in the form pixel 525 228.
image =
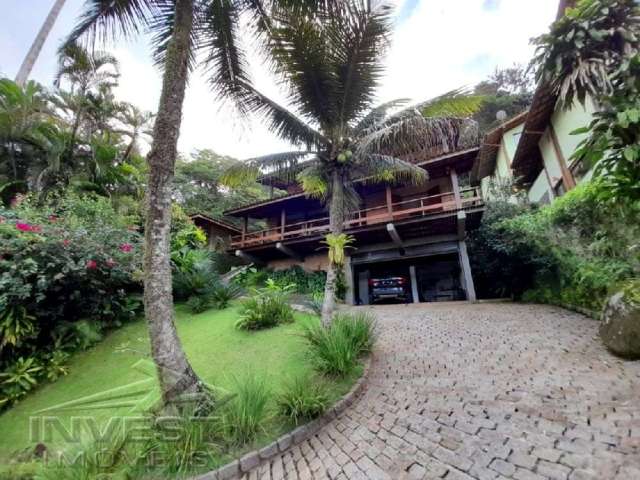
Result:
pixel 184 31
pixel 332 66
pixel 136 124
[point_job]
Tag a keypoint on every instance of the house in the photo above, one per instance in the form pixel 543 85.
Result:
pixel 219 233
pixel 414 231
pixel 534 149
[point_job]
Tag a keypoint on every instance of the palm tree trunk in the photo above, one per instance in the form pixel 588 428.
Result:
pixel 36 47
pixel 336 225
pixel 174 371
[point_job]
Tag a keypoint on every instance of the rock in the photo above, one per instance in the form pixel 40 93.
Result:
pixel 620 328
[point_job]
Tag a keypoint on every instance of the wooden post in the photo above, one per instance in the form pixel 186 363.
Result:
pixel 456 188
pixel 414 284
pixel 245 226
pixel 389 201
pixel 567 177
pixel 465 266
pixel 283 221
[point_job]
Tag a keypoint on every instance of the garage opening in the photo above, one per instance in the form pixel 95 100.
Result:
pixel 436 278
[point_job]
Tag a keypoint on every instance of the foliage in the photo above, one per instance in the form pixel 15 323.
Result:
pixel 336 245
pixel 266 307
pixel 303 399
pixel 336 349
pixel 575 251
pixel 305 282
pixel 242 418
pixel 594 51
pixel 69 269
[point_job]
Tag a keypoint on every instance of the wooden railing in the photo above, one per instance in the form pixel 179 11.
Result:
pixel 398 211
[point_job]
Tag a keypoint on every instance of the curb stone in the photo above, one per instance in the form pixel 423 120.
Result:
pixel 283 443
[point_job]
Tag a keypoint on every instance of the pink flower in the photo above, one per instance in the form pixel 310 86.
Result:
pixel 66 242
pixel 91 265
pixel 126 247
pixel 25 227
pixel 111 263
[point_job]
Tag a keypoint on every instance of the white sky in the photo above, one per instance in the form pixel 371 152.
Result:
pixel 438 45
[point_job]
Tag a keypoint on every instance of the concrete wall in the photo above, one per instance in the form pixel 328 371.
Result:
pixel 565 122
pixel 311 263
pixel 539 188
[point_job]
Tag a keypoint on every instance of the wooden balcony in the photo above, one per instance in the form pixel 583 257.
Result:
pixel 412 209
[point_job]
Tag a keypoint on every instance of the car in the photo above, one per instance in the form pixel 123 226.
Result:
pixel 389 288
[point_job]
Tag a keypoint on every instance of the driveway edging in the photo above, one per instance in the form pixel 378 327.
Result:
pixel 280 445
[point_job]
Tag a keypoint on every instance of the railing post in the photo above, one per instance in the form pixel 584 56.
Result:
pixel 389 202
pixel 456 188
pixel 245 225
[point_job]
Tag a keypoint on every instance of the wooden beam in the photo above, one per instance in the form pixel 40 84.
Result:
pixel 567 177
pixel 395 236
pixel 289 252
pixel 462 220
pixel 247 257
pixel 456 187
pixel 466 271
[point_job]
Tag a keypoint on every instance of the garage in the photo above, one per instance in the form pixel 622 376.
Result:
pixel 432 273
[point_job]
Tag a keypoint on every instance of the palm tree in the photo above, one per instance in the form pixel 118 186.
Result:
pixel 332 66
pixel 183 32
pixel 136 124
pixel 36 47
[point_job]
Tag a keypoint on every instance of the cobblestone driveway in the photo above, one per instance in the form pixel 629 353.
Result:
pixel 486 391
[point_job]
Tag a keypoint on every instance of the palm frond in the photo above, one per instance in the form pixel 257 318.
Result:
pixel 314 180
pixel 357 38
pixel 456 103
pixel 225 59
pixel 378 114
pixel 282 165
pixel 161 26
pixel 377 168
pixel 281 121
pixel 107 19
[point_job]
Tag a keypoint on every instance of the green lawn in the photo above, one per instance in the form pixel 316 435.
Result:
pixel 216 349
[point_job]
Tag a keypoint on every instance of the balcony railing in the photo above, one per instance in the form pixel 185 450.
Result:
pixel 408 209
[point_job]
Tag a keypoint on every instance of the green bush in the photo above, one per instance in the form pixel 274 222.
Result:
pixel 266 308
pixel 302 399
pixel 335 350
pixel 222 295
pixel 575 251
pixel 305 282
pixel 243 416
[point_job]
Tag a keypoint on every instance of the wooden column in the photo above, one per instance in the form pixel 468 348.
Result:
pixel 245 226
pixel 389 201
pixel 466 271
pixel 283 221
pixel 567 177
pixel 414 284
pixel 456 188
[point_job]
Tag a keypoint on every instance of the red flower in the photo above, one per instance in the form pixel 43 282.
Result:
pixel 92 265
pixel 126 247
pixel 111 263
pixel 66 242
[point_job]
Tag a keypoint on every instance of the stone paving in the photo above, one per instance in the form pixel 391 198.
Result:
pixel 481 391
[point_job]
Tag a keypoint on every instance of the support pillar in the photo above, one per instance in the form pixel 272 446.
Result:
pixel 466 271
pixel 414 284
pixel 349 298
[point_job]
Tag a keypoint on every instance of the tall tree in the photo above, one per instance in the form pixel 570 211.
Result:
pixel 36 47
pixel 184 31
pixel 332 66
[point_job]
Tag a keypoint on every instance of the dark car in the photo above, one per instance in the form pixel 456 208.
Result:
pixel 389 288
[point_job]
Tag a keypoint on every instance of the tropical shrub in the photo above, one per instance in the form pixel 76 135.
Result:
pixel 243 416
pixel 575 251
pixel 336 349
pixel 266 307
pixel 302 399
pixel 305 282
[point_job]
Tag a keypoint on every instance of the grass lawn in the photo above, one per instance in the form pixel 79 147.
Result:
pixel 216 349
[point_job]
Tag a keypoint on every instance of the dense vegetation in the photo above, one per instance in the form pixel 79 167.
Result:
pixel 575 251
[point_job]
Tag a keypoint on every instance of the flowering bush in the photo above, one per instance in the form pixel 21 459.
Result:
pixel 59 266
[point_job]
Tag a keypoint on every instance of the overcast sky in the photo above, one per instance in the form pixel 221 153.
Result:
pixel 438 45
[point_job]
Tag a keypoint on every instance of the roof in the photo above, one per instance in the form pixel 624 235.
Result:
pixel 430 163
pixel 488 154
pixel 527 161
pixel 219 223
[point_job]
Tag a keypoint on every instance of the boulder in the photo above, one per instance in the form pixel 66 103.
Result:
pixel 620 328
